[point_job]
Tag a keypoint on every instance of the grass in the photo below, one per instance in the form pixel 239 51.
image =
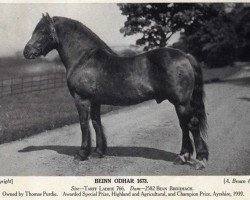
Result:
pixel 28 114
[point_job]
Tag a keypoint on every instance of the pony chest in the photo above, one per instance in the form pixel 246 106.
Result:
pixel 84 81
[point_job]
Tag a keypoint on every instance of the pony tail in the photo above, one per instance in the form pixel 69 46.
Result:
pixel 197 102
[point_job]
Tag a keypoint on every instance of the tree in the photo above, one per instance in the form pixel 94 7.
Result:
pixel 215 42
pixel 158 22
pixel 242 28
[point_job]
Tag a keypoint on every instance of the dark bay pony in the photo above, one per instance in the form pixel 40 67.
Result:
pixel 96 75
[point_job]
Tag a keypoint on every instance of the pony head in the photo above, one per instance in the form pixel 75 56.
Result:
pixel 43 40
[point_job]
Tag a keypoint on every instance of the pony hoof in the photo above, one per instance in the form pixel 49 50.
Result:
pixel 81 156
pixel 187 157
pixel 182 159
pixel 199 164
pixel 98 153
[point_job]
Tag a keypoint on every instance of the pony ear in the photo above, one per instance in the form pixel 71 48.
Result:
pixel 48 19
pixel 51 26
pixel 47 16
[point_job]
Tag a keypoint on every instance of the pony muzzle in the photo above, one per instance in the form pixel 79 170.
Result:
pixel 30 52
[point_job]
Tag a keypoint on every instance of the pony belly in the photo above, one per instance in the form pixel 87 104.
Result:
pixel 123 100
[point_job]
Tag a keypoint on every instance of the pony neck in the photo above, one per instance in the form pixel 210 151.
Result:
pixel 75 40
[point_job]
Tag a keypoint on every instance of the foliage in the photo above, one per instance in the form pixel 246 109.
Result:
pixel 158 22
pixel 242 27
pixel 242 23
pixel 214 42
pixel 209 31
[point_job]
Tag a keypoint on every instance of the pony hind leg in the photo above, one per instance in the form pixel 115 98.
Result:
pixel 200 144
pixel 101 144
pixel 189 122
pixel 183 113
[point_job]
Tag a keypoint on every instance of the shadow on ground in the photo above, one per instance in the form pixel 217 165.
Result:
pixel 244 98
pixel 143 152
pixel 237 81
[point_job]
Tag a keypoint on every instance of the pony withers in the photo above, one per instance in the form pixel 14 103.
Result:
pixel 96 75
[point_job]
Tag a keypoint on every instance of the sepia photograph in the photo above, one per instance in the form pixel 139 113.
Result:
pixel 124 89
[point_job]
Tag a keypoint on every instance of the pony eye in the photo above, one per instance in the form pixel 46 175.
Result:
pixel 51 36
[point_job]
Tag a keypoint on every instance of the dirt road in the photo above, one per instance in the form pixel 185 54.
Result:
pixel 144 140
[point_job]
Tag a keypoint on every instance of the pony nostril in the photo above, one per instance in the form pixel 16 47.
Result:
pixel 25 53
pixel 31 52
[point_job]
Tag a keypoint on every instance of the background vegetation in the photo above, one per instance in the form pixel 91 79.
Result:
pixel 216 34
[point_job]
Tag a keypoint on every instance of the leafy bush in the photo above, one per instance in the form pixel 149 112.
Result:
pixel 157 22
pixel 214 43
pixel 242 27
pixel 212 32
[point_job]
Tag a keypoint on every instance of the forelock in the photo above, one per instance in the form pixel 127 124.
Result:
pixel 42 24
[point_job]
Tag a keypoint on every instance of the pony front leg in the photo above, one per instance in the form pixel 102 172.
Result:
pixel 101 144
pixel 83 108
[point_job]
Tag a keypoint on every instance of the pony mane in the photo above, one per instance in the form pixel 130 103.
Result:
pixel 84 30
